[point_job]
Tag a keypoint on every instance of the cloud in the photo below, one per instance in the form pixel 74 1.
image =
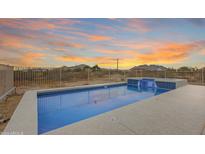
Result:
pixel 130 52
pixel 107 51
pixel 26 59
pixel 91 37
pixel 32 59
pixel 20 36
pixel 66 44
pixel 19 43
pixel 38 24
pixel 147 44
pixel 202 51
pixel 119 53
pixel 164 57
pixel 138 25
pixel 15 42
pixel 99 38
pixel 197 21
pixel 80 59
pixel 73 59
pixel 169 53
pixel 34 24
pixel 165 53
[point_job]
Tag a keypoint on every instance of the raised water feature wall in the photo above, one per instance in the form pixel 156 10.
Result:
pixel 160 82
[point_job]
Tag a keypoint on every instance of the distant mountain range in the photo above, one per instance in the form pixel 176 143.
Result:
pixel 149 68
pixel 77 67
pixel 82 67
pixel 140 67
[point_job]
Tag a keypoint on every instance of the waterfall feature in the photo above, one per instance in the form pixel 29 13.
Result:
pixel 147 83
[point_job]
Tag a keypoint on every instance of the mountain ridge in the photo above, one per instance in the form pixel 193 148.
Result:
pixel 149 67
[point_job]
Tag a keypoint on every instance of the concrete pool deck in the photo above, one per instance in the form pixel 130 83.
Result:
pixel 180 111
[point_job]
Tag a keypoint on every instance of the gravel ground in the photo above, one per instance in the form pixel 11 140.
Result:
pixel 7 108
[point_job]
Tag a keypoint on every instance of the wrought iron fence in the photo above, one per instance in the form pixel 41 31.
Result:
pixel 26 76
pixel 35 78
pixel 193 77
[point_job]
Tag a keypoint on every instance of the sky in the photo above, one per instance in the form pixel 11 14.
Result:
pixel 67 42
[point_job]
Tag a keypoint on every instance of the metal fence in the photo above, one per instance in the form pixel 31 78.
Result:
pixel 35 78
pixel 6 79
pixel 193 77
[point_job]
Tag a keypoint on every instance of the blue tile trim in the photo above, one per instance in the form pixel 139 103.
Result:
pixel 166 85
pixel 132 82
pixel 160 84
pixel 78 89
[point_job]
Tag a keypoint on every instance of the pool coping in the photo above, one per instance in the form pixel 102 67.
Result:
pixel 25 119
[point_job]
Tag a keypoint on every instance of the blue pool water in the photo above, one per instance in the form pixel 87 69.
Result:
pixel 62 108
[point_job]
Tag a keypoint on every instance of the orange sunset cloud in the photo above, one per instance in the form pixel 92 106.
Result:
pixel 17 42
pixel 35 24
pixel 101 41
pixel 32 59
pixel 203 52
pixel 84 59
pixel 169 53
pixel 99 38
pixel 165 54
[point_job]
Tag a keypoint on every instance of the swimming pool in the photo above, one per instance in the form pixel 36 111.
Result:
pixel 58 109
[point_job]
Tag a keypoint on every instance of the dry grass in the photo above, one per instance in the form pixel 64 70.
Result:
pixel 7 108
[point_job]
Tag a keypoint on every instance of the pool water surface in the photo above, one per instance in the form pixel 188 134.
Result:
pixel 59 109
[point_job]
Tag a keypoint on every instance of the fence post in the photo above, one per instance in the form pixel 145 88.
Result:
pixel 109 75
pixel 165 74
pixel 176 75
pixel 60 75
pixel 88 75
pixel 202 76
pixel 124 75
